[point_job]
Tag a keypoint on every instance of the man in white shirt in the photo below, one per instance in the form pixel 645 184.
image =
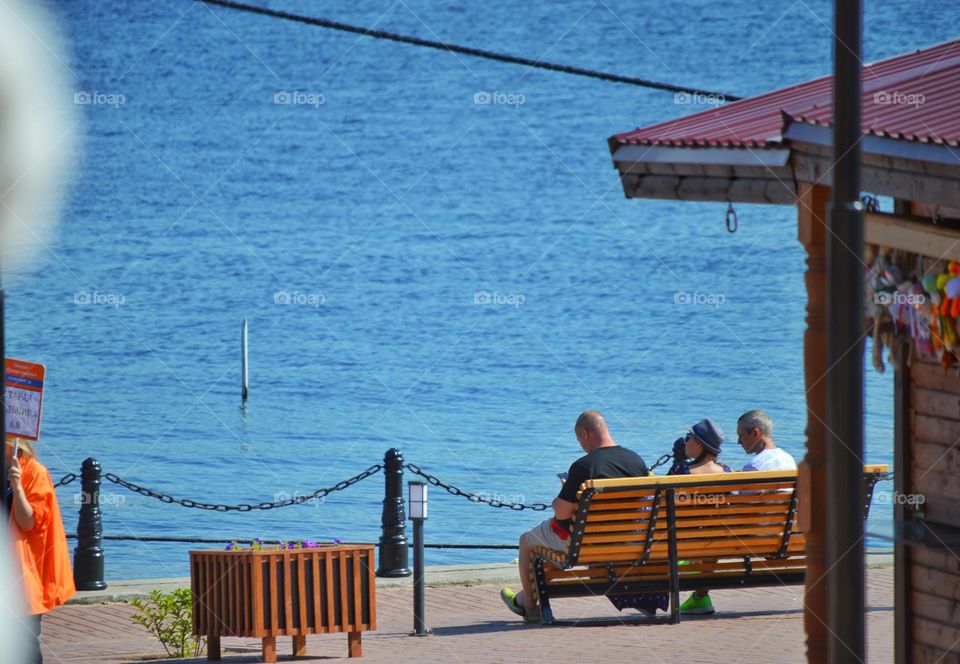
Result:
pixel 755 435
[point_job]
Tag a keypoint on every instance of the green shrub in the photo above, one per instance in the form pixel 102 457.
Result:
pixel 169 617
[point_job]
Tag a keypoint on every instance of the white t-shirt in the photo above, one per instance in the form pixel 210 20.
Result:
pixel 772 459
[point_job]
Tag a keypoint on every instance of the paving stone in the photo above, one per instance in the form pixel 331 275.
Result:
pixel 470 624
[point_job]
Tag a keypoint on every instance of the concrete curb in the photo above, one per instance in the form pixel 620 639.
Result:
pixel 441 575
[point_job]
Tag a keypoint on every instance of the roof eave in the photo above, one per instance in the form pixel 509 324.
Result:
pixel 880 146
pixel 768 157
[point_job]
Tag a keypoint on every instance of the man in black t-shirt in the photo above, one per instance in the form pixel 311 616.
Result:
pixel 604 459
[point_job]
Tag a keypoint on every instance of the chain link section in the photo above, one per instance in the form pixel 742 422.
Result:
pixel 472 497
pixel 242 507
pixel 66 479
pixel 662 460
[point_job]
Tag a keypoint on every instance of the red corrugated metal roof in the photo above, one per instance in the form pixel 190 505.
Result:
pixel 915 96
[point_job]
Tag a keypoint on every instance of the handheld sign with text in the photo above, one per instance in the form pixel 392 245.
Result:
pixel 24 392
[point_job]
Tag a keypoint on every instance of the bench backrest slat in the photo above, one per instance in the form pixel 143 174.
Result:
pixel 727 514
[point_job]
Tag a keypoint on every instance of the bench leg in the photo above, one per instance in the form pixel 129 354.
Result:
pixel 270 649
pixel 546 613
pixel 354 646
pixel 213 647
pixel 299 646
pixel 673 557
pixel 674 592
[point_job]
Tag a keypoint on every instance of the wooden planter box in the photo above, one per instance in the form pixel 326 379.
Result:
pixel 271 593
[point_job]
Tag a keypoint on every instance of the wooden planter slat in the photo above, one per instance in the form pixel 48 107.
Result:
pixel 306 566
pixel 289 587
pixel 271 593
pixel 317 600
pixel 371 606
pixel 342 581
pixel 358 620
pixel 245 594
pixel 329 608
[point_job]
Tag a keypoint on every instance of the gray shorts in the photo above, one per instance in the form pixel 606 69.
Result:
pixel 543 535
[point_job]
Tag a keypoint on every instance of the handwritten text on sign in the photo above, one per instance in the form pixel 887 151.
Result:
pixel 24 392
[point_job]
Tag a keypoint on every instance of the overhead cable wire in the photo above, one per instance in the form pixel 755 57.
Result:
pixel 468 50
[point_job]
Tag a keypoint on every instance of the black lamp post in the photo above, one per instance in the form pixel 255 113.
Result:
pixel 418 514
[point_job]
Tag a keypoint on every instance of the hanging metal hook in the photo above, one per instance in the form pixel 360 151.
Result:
pixel 731 219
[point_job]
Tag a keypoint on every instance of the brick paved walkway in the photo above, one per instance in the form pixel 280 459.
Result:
pixel 471 625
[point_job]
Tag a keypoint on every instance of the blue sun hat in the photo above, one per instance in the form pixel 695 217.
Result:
pixel 709 434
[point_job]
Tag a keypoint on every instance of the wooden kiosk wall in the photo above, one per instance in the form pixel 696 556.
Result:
pixel 927 463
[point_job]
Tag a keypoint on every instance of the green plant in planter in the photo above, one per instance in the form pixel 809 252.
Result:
pixel 169 617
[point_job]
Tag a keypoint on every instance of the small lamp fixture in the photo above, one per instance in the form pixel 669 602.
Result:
pixel 418 500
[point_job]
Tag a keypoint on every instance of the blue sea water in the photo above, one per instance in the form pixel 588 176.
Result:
pixel 457 280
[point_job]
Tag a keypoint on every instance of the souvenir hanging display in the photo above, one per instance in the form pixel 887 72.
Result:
pixel 911 309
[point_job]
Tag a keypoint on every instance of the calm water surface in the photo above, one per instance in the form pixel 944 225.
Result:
pixel 355 231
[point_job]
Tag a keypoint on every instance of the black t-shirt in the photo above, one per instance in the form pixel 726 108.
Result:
pixel 603 463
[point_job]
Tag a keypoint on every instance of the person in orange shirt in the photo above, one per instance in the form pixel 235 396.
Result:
pixel 39 542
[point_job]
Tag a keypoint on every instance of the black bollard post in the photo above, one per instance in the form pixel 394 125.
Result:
pixel 88 555
pixel 393 541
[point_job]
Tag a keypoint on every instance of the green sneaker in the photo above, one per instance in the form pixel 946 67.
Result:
pixel 509 598
pixel 697 606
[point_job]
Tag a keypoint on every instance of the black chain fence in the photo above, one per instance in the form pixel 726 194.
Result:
pixel 243 540
pixel 242 507
pixel 321 493
pixel 66 479
pixel 472 497
pixel 69 478
pixel 666 458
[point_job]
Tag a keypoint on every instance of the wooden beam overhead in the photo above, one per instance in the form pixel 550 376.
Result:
pixel 889 230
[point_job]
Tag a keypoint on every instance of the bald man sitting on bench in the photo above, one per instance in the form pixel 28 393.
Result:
pixel 604 459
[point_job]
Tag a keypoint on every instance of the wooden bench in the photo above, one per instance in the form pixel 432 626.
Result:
pixel 732 530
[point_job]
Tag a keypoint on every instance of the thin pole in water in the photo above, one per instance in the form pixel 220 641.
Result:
pixel 245 389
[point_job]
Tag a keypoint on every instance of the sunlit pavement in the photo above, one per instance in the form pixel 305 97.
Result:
pixel 470 624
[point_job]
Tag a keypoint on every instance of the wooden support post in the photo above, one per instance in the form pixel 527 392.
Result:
pixel 354 646
pixel 299 646
pixel 902 461
pixel 270 649
pixel 213 647
pixel 812 479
